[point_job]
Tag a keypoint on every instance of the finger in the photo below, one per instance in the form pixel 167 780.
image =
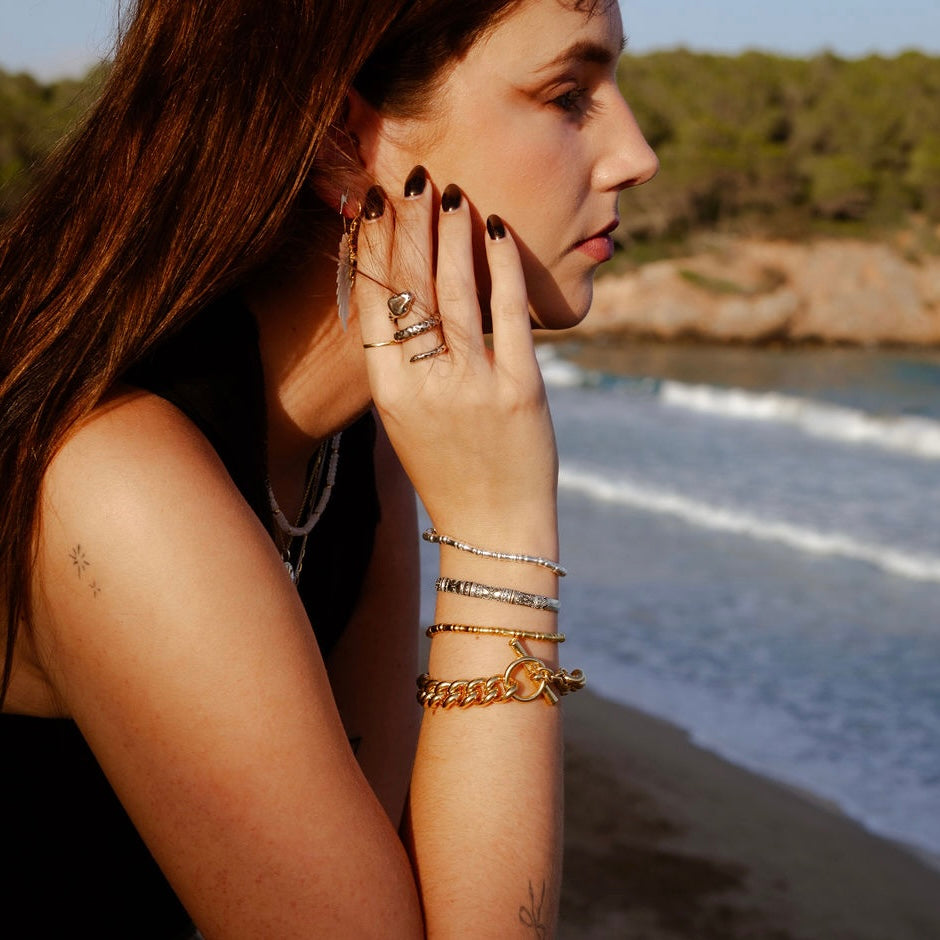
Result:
pixel 456 282
pixel 414 245
pixel 413 252
pixel 374 248
pixel 509 307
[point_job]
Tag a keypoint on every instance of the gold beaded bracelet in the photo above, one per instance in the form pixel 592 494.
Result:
pixel 550 684
pixel 437 628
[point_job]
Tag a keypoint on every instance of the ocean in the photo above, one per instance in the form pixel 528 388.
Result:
pixel 754 550
pixel 754 553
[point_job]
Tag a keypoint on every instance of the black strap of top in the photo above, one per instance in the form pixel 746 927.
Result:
pixel 212 371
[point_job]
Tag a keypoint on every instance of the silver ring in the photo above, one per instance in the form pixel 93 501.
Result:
pixel 399 305
pixel 416 329
pixel 430 354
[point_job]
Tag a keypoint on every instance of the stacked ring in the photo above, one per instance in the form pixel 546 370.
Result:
pixel 430 354
pixel 400 305
pixel 416 329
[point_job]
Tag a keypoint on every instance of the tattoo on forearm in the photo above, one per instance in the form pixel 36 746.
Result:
pixel 531 916
pixel 81 564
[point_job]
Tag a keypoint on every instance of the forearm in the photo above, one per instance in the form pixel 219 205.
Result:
pixel 486 795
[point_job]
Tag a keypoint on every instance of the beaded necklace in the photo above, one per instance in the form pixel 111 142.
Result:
pixel 287 533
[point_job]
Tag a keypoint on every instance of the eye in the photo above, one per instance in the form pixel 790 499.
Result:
pixel 572 101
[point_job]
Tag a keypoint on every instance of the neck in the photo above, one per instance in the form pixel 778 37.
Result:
pixel 315 377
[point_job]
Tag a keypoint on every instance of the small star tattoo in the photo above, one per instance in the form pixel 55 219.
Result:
pixel 79 560
pixel 95 589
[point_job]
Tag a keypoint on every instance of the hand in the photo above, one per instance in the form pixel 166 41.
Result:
pixel 471 426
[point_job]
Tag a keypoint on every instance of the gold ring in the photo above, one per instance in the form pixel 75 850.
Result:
pixel 389 342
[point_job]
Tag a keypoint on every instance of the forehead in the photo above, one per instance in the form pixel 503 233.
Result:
pixel 538 34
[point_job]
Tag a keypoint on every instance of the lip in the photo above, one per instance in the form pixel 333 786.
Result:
pixel 599 246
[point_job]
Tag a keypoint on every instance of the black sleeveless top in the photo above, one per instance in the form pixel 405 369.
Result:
pixel 75 864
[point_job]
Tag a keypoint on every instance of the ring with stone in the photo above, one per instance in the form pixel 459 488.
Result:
pixel 399 305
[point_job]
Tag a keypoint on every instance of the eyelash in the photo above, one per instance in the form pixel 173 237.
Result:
pixel 571 101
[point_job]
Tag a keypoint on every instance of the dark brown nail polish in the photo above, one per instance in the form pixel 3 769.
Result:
pixel 495 228
pixel 375 203
pixel 417 180
pixel 451 198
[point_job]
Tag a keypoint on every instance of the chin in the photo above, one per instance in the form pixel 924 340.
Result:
pixel 561 309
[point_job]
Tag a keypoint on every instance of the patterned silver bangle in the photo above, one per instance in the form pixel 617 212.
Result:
pixel 432 535
pixel 502 594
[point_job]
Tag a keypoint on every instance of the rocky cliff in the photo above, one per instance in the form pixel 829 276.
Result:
pixel 749 291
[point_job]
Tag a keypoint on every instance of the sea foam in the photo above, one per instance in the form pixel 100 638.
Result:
pixel 905 434
pixel 912 436
pixel 625 492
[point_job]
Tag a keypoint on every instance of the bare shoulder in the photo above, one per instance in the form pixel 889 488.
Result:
pixel 133 438
pixel 180 647
pixel 139 524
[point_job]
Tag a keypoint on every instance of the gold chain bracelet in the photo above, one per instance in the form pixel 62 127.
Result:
pixel 550 684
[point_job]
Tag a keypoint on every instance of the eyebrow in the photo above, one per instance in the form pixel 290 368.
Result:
pixel 586 51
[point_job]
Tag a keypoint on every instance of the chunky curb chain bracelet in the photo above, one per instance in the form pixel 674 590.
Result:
pixel 550 684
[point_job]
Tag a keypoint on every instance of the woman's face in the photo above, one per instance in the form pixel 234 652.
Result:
pixel 532 126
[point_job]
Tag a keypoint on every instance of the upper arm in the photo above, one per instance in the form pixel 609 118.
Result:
pixel 373 667
pixel 179 647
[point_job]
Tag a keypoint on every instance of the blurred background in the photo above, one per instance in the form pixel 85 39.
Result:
pixel 749 421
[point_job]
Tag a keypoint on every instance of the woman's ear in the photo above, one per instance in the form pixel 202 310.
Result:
pixel 385 145
pixel 364 127
pixel 343 177
pixel 364 146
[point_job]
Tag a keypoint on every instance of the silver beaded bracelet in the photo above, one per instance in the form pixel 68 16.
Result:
pixel 432 535
pixel 501 594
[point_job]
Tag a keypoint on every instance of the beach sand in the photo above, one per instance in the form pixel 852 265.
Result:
pixel 665 840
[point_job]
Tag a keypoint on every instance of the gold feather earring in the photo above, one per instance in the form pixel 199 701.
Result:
pixel 348 259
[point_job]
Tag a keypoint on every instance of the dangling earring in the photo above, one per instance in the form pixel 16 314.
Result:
pixel 348 259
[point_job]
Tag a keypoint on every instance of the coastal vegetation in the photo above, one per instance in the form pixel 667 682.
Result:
pixel 762 145
pixel 754 144
pixel 34 115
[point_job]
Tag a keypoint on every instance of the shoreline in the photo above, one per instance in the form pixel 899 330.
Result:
pixel 752 291
pixel 666 840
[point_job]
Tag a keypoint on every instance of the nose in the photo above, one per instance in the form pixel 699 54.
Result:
pixel 625 159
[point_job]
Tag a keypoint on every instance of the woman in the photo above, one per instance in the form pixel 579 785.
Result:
pixel 172 357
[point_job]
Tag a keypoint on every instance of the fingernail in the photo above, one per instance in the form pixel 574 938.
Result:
pixel 375 203
pixel 416 181
pixel 451 198
pixel 495 228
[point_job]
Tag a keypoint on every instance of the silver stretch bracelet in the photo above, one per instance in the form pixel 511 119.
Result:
pixel 501 594
pixel 432 535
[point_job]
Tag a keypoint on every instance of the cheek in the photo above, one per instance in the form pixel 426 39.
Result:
pixel 507 163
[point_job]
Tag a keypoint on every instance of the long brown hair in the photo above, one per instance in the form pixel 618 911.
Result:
pixel 193 170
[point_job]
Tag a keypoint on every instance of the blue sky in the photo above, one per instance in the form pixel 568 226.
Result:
pixel 55 37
